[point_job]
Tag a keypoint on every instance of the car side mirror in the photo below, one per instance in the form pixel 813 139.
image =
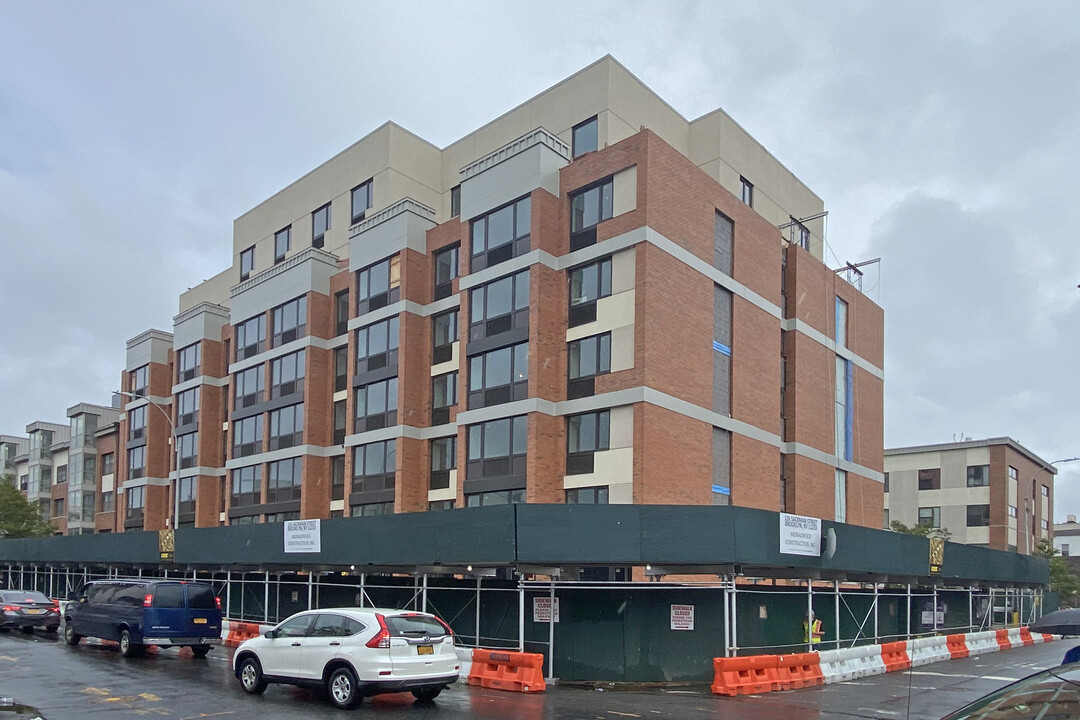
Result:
pixel 71 597
pixel 270 634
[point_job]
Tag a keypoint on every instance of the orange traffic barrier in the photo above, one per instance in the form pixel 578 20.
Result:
pixel 241 631
pixel 895 656
pixel 957 646
pixel 1047 637
pixel 514 671
pixel 799 671
pixel 745 675
pixel 1025 635
pixel 1003 640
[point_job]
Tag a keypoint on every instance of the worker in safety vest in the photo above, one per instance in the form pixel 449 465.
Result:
pixel 812 632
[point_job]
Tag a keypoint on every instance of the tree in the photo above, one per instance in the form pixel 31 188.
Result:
pixel 19 517
pixel 924 530
pixel 1062 581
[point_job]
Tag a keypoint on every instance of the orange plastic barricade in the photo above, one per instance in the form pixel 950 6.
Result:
pixel 1047 637
pixel 1003 640
pixel 799 671
pixel 895 656
pixel 1025 635
pixel 745 675
pixel 514 671
pixel 241 631
pixel 957 646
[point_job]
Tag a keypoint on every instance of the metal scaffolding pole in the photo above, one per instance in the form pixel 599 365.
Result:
pixel 310 588
pixel 521 613
pixel 727 620
pixel 423 598
pixel 836 592
pixel 551 634
pixel 877 608
pixel 907 618
pixel 266 596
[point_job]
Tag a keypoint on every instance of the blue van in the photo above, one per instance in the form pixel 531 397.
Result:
pixel 136 613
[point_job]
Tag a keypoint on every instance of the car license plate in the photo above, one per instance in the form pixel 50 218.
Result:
pixel 425 650
pixel 200 621
pixel 34 611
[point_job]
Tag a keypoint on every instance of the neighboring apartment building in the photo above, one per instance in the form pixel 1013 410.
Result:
pixel 1067 542
pixel 590 299
pixel 992 493
pixel 11 447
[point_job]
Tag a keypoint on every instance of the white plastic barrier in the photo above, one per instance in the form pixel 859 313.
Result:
pixel 839 665
pixel 464 656
pixel 868 660
pixel 1014 638
pixel 980 643
pixel 1036 637
pixel 923 651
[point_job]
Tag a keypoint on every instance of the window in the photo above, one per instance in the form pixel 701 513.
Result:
pixel 341 368
pixel 61 474
pixel 501 234
pixel 930 479
pixel 188 363
pixel 589 207
pixel 287 374
pixel 1012 473
pixel 1045 491
pixel 137 462
pixel 886 482
pixel 1012 511
pixel 455 201
pixel 283 480
pixel 930 516
pixel 443 460
pixel 1045 524
pixel 497 448
pixel 188 449
pixel 1065 549
pixel 337 478
pixel 282 243
pixel 246 486
pixel 799 233
pixel 840 496
pixel 340 422
pixel 251 337
pixel 443 397
pixel 136 501
pixel 58 507
pixel 374 466
pixel 247 263
pixel 108 502
pixel 978 475
pixel 747 191
pixel 843 416
pixel 187 406
pixel 247 436
pixel 378 285
pixel 140 378
pixel 287 427
pixel 978 515
pixel 377 346
pixel 289 321
pixel 440 505
pixel 499 306
pixel 499 376
pixel 446 269
pixel 376 405
pixel 585 435
pixel 23 482
pixel 444 335
pixel 587 358
pixel 249 386
pixel 584 137
pixel 361 201
pixel 108 464
pixel 320 223
pixel 373 509
pixel 341 312
pixel 587 496
pixel 588 284
pixel 137 422
pixel 500 497
pixel 840 331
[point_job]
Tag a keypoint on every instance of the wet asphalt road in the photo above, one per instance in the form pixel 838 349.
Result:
pixel 89 682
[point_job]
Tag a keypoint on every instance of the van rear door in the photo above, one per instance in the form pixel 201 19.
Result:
pixel 203 615
pixel 166 616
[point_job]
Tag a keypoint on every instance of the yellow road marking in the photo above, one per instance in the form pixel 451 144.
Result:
pixel 151 697
pixel 95 691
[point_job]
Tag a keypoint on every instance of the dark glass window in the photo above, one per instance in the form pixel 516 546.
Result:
pixel 440 505
pixel 373 509
pixel 341 368
pixel 186 496
pixel 283 480
pixel 930 479
pixel 497 448
pixel 188 449
pixel 443 397
pixel 341 419
pixel 377 346
pixel 376 405
pixel 588 284
pixel 446 269
pixel 589 207
pixel 586 434
pixel 320 223
pixel 378 285
pixel 584 137
pixel 341 312
pixel 108 464
pixel 978 475
pixel 978 515
pixel 287 374
pixel 501 234
pixel 247 436
pixel 445 334
pixel 137 462
pixel 587 496
pixel 169 595
pixel 498 497
pixel 337 478
pixel 282 243
pixel 251 337
pixel 587 358
pixel 455 201
pixel 136 422
pixel 246 486
pixel 187 406
pixel 361 201
pixel 499 376
pixel 930 516
pixel 373 466
pixel 499 306
pixel 746 191
pixel 187 363
pixel 287 427
pixel 247 262
pixel 249 386
pixel 140 378
pixel 289 321
pixel 443 460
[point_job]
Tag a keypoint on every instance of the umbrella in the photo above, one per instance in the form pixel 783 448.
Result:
pixel 1059 622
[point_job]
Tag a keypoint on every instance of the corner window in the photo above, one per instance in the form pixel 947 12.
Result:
pixel 249 386
pixel 930 480
pixel 187 363
pixel 289 321
pixel 499 376
pixel 587 358
pixel 246 486
pixel 930 516
pixel 499 306
pixel 978 475
pixel 250 337
pixel 376 405
pixel 247 263
pixel 497 449
pixel 588 284
pixel 501 234
pixel 586 434
pixel 377 346
pixel 978 515
pixel 140 379
pixel 589 207
pixel 247 436
pixel 378 285
pixel 746 191
pixel 282 243
pixel 443 397
pixel 373 467
pixel 444 335
pixel 361 201
pixel 283 480
pixel 443 460
pixel 287 427
pixel 584 137
pixel 455 201
pixel 287 374
pixel 446 269
pixel 587 496
pixel 320 223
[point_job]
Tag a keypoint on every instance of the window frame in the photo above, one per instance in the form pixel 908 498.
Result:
pixel 935 514
pixel 318 239
pixel 341 312
pixel 294 365
pixel 580 459
pixel 581 234
pixel 240 382
pixel 366 301
pixel 366 190
pixel 281 487
pixel 583 384
pixel 982 517
pixel 256 324
pixel 448 257
pixel 294 311
pixel 383 416
pixel 484 325
pixel 187 406
pixel 746 192
pixel 582 310
pixel 984 481
pixel 247 263
pixel 482 394
pixel 600 495
pixel 482 465
pixel 388 478
pixel 244 428
pixel 443 351
pixel 188 367
pixel 282 237
pixel 383 358
pixel 249 477
pixel 286 427
pixel 575 150
pixel 516 245
pixel 439 476
pixel 440 413
pixel 932 479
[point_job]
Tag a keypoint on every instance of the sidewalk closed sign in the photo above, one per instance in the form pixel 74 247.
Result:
pixel 800 535
pixel 682 617
pixel 303 536
pixel 542 610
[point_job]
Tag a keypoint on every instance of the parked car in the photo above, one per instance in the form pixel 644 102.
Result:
pixel 352 653
pixel 1052 693
pixel 28 609
pixel 137 612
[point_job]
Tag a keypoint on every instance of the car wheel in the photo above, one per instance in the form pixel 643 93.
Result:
pixel 342 689
pixel 251 677
pixel 428 693
pixel 70 636
pixel 128 648
pixel 52 628
pixel 200 651
pixel 27 629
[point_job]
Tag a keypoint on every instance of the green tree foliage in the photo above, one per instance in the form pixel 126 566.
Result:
pixel 924 530
pixel 19 517
pixel 1062 581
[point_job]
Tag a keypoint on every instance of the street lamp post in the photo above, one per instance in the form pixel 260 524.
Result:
pixel 176 449
pixel 1029 501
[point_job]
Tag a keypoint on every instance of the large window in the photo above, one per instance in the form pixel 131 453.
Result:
pixel 283 480
pixel 586 434
pixel 249 386
pixel 444 335
pixel 978 475
pixel 247 436
pixel 446 269
pixel 137 462
pixel 587 496
pixel 136 501
pixel 584 137
pixel 496 497
pixel 251 337
pixel 320 223
pixel 588 284
pixel 930 479
pixel 187 406
pixel 930 516
pixel 341 312
pixel 589 207
pixel 373 466
pixel 499 306
pixel 499 376
pixel 443 460
pixel 376 405
pixel 188 449
pixel 978 515
pixel 840 331
pixel 377 346
pixel 137 422
pixel 282 243
pixel 341 418
pixel 287 374
pixel 187 363
pixel 373 509
pixel 108 463
pixel 289 321
pixel 361 201
pixel 497 449
pixel 337 477
pixel 378 285
pixel 501 234
pixel 587 358
pixel 341 368
pixel 247 263
pixel 140 379
pixel 443 397
pixel 246 486
pixel 287 427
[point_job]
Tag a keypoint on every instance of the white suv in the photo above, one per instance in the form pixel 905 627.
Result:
pixel 352 652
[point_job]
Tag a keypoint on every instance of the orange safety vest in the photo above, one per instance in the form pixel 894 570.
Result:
pixel 812 633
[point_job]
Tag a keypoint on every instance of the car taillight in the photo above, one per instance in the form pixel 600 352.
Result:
pixel 448 630
pixel 148 600
pixel 9 608
pixel 218 601
pixel 382 638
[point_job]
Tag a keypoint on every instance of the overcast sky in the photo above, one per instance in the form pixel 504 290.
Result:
pixel 944 138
